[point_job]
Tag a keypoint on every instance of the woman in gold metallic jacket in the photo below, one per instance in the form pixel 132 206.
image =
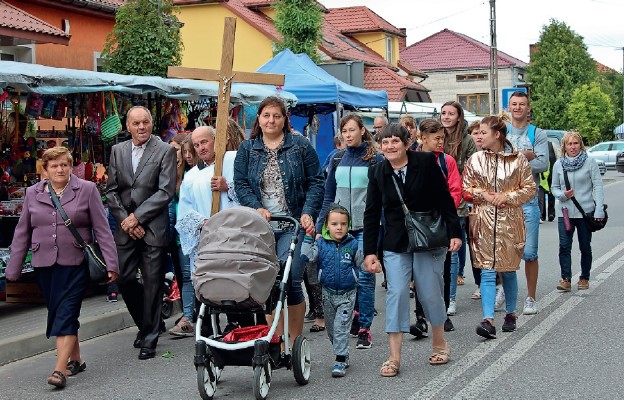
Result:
pixel 498 182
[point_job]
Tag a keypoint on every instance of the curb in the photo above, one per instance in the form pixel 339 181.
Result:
pixel 33 343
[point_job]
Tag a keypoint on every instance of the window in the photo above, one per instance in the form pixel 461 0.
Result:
pixel 617 146
pixel 7 57
pixel 601 147
pixel 389 55
pixel 98 62
pixel 471 77
pixel 476 103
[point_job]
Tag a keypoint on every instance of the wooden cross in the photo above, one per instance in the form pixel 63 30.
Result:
pixel 225 76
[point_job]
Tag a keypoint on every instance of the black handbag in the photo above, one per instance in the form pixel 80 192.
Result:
pixel 425 230
pixel 592 223
pixel 92 252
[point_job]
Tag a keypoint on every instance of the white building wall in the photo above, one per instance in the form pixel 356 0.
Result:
pixel 445 87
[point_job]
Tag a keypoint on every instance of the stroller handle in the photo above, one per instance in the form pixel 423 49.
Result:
pixel 288 219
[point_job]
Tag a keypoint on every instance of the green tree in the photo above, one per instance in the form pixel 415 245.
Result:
pixel 299 22
pixel 559 65
pixel 611 84
pixel 145 39
pixel 590 111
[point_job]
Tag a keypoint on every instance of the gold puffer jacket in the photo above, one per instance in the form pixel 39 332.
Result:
pixel 498 234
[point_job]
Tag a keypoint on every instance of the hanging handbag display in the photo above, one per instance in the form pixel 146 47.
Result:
pixel 111 126
pixel 425 230
pixel 592 223
pixel 92 252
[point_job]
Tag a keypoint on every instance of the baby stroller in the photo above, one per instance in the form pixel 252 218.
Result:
pixel 237 270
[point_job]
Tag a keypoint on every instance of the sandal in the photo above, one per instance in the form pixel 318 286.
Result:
pixel 57 379
pixel 439 356
pixel 74 367
pixel 390 368
pixel 317 328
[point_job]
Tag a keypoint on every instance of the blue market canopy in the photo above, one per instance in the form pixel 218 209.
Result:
pixel 619 130
pixel 312 85
pixel 50 80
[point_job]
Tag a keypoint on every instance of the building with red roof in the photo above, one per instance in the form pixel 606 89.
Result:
pixel 458 68
pixel 68 33
pixel 348 34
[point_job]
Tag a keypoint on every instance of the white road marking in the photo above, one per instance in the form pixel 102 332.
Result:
pixel 435 386
pixel 496 369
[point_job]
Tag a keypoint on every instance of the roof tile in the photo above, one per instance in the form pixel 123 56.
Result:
pixel 452 50
pixel 360 19
pixel 380 78
pixel 14 18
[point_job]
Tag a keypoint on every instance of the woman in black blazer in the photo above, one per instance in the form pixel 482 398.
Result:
pixel 423 189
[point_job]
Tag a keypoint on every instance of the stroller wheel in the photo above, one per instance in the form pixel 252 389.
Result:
pixel 207 380
pixel 262 381
pixel 301 360
pixel 166 310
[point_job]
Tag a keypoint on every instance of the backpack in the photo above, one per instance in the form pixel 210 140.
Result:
pixel 530 133
pixel 338 156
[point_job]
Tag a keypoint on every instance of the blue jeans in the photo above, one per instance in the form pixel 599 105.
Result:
pixel 188 292
pixel 462 250
pixel 565 247
pixel 365 290
pixel 454 273
pixel 532 217
pixel 294 289
pixel 488 291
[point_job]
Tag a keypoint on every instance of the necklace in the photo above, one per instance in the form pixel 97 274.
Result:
pixel 273 143
pixel 60 193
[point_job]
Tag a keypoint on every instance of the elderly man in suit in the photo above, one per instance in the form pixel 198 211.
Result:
pixel 141 182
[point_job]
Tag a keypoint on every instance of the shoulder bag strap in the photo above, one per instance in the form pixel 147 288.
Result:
pixel 68 222
pixel 576 203
pixel 394 180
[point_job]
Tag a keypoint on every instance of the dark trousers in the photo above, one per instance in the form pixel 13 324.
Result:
pixel 584 236
pixel 550 207
pixel 144 301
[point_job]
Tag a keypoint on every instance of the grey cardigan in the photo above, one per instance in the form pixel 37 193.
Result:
pixel 587 185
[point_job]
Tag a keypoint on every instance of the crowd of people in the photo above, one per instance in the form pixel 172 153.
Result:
pixel 481 179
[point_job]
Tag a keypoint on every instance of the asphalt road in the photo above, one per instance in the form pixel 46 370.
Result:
pixel 571 349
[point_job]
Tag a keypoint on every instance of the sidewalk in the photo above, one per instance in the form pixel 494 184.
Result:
pixel 22 326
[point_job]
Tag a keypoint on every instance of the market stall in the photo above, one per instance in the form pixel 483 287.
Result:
pixel 321 98
pixel 43 107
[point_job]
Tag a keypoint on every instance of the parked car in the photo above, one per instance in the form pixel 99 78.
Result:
pixel 606 151
pixel 555 134
pixel 619 162
pixel 602 166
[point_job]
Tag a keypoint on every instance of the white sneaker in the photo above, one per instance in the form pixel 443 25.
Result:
pixel 530 306
pixel 452 308
pixel 476 295
pixel 499 303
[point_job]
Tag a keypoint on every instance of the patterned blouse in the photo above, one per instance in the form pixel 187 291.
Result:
pixel 272 186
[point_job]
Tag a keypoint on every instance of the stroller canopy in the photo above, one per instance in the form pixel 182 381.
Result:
pixel 236 260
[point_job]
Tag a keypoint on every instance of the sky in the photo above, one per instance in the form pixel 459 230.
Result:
pixel 518 23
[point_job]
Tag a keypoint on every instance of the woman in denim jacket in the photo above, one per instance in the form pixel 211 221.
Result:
pixel 279 173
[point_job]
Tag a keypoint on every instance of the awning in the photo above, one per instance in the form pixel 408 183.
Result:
pixel 619 130
pixel 50 80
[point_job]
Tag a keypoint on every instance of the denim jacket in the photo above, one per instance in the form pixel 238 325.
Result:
pixel 301 174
